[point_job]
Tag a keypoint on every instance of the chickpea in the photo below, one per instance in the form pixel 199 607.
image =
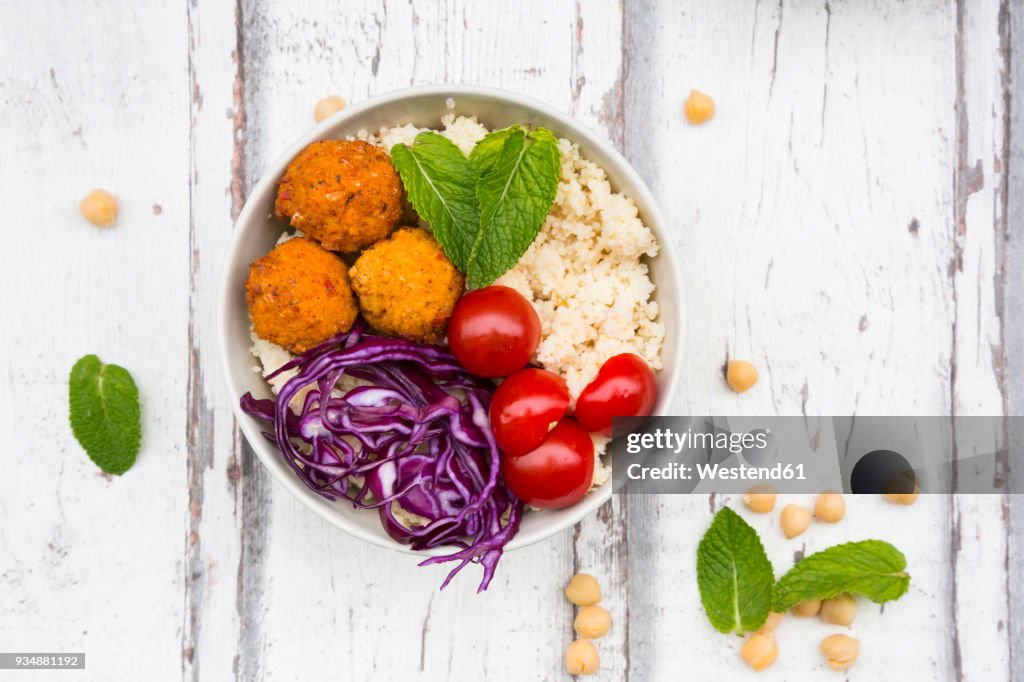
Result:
pixel 699 108
pixel 583 590
pixel 581 658
pixel 760 499
pixel 807 609
pixel 740 375
pixel 592 622
pixel 99 207
pixel 794 520
pixel 840 651
pixel 770 623
pixel 906 499
pixel 327 106
pixel 839 610
pixel 760 651
pixel 830 507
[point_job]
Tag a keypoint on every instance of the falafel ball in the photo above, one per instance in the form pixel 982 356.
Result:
pixel 406 286
pixel 299 295
pixel 345 194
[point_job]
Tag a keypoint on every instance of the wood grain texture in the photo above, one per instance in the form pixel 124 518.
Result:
pixel 978 523
pixel 220 563
pixel 1014 330
pixel 600 543
pixel 849 222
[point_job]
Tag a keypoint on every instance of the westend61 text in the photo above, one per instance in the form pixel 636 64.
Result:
pixel 677 471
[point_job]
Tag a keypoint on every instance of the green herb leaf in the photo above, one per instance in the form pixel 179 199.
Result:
pixel 872 568
pixel 441 185
pixel 486 151
pixel 734 575
pixel 105 414
pixel 516 189
pixel 488 209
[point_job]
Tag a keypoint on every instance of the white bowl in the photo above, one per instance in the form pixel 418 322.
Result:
pixel 256 231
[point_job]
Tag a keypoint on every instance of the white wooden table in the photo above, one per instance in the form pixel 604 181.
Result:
pixel 850 221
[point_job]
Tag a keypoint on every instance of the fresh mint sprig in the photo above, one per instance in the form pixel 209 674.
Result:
pixel 871 568
pixel 105 414
pixel 485 210
pixel 734 575
pixel 515 194
pixel 441 185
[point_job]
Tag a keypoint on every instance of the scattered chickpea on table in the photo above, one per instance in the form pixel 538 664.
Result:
pixel 591 622
pixel 840 651
pixel 770 623
pixel 807 609
pixel 328 106
pixel 760 499
pixel 830 507
pixel 99 207
pixel 839 610
pixel 581 658
pixel 699 107
pixel 760 650
pixel 905 499
pixel 583 590
pixel 794 520
pixel 740 375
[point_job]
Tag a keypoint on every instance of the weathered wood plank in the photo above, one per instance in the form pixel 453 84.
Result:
pixel 979 523
pixel 600 543
pixel 1014 326
pixel 91 98
pixel 219 559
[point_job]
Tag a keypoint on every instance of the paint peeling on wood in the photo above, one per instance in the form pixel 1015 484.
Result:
pixel 200 431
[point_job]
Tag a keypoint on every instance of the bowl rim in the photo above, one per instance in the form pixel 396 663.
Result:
pixel 652 217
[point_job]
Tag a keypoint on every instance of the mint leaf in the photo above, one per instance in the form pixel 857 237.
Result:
pixel 734 575
pixel 441 185
pixel 105 414
pixel 516 189
pixel 487 150
pixel 872 568
pixel 488 209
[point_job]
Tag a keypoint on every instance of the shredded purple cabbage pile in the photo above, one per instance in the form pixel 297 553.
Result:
pixel 417 434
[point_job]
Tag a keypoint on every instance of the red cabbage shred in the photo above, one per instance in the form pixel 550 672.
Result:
pixel 416 433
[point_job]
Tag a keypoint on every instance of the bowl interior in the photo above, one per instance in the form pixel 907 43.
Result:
pixel 256 231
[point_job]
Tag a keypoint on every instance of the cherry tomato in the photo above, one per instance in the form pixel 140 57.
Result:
pixel 525 407
pixel 557 473
pixel 493 331
pixel 624 387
